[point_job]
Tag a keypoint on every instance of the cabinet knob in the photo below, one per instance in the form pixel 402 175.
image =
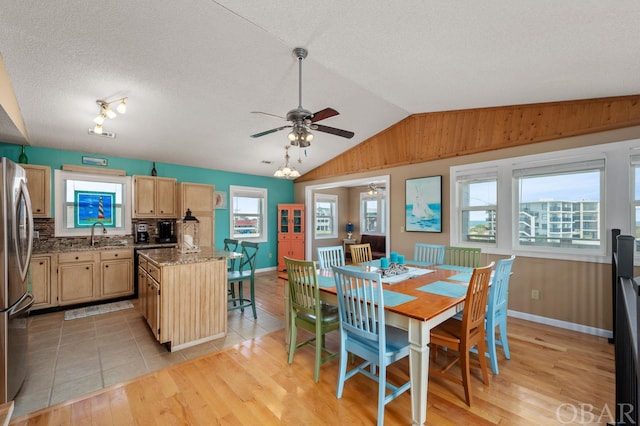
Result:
pixel 87 268
pixel 77 258
pixel 106 266
pixel 42 263
pixel 116 255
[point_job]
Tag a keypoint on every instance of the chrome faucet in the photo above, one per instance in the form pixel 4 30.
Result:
pixel 93 228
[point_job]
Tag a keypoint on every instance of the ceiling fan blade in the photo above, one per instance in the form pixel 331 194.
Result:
pixel 268 113
pixel 338 132
pixel 266 132
pixel 322 114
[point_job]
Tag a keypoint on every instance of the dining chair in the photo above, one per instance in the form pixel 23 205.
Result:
pixel 364 333
pixel 361 253
pixel 497 311
pixel 246 272
pixel 462 336
pixel 462 256
pixel 428 253
pixel 330 256
pixel 308 312
pixel 231 245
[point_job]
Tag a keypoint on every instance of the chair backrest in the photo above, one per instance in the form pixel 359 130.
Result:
pixel 499 291
pixel 249 256
pixel 231 245
pixel 475 304
pixel 429 253
pixel 304 293
pixel 330 256
pixel 361 304
pixel 361 253
pixel 462 256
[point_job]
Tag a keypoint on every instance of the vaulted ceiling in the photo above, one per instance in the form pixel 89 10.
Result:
pixel 194 70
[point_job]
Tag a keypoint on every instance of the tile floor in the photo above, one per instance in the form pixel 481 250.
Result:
pixel 68 359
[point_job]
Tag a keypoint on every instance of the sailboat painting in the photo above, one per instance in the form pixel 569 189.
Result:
pixel 423 204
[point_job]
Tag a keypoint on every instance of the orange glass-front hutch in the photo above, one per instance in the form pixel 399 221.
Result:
pixel 290 233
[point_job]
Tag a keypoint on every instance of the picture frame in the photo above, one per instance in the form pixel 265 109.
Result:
pixel 93 206
pixel 220 199
pixel 94 161
pixel 423 204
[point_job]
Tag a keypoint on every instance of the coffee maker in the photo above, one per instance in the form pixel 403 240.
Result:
pixel 165 232
pixel 142 235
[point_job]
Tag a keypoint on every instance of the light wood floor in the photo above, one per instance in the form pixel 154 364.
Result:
pixel 552 372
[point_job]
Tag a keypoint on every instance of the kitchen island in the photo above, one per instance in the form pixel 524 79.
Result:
pixel 183 296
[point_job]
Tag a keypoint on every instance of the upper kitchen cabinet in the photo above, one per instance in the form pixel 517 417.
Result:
pixel 200 199
pixel 154 197
pixel 39 185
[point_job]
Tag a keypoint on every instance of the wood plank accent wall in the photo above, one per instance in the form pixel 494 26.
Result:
pixel 431 136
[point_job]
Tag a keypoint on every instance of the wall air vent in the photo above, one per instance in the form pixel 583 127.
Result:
pixel 104 133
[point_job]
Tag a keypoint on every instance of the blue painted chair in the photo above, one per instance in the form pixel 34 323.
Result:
pixel 307 311
pixel 497 311
pixel 428 254
pixel 330 256
pixel 231 245
pixel 246 272
pixel 363 332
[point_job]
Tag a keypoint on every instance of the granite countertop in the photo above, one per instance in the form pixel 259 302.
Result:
pixel 61 245
pixel 171 256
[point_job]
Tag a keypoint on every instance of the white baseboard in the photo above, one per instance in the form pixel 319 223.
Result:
pixel 561 324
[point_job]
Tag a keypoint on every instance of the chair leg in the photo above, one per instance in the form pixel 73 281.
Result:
pixel 240 295
pixel 232 291
pixel 382 390
pixel 253 298
pixel 318 361
pixel 343 370
pixel 466 375
pixel 491 343
pixel 483 360
pixel 293 336
pixel 503 336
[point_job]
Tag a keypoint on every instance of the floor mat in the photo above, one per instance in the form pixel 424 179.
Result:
pixel 97 310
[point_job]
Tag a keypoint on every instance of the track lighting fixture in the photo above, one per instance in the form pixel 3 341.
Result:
pixel 107 112
pixel 287 171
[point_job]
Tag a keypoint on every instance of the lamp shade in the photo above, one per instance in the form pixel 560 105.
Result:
pixel 349 227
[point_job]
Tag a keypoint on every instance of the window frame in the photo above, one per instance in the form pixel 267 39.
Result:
pixel 249 192
pixel 333 218
pixel 381 199
pixel 62 176
pixel 462 180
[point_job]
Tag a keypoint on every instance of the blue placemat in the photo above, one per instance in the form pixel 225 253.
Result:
pixel 393 298
pixel 443 288
pixel 460 277
pixel 418 263
pixel 456 268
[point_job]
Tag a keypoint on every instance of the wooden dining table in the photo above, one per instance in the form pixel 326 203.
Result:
pixel 417 316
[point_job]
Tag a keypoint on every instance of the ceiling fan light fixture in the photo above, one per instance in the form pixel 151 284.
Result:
pixel 286 171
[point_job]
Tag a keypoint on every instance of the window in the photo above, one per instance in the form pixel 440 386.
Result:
pixel 478 206
pixel 248 219
pixel 558 206
pixel 372 213
pixel 84 199
pixel 326 215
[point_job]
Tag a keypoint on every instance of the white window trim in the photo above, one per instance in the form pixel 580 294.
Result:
pixel 329 198
pixel 466 176
pixel 379 197
pixel 617 198
pixel 59 176
pixel 252 191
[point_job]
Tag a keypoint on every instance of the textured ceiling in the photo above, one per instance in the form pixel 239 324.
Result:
pixel 194 70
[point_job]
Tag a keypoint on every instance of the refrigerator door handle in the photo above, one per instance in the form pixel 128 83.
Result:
pixel 24 268
pixel 18 309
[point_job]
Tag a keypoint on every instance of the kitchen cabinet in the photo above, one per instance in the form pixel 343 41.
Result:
pixel 154 197
pixel 40 280
pixel 117 276
pixel 290 233
pixel 185 295
pixel 77 277
pixel 39 185
pixel 200 199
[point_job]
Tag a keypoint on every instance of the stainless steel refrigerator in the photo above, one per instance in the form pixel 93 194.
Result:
pixel 16 237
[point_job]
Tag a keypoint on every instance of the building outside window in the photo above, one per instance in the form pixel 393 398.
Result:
pixel 372 213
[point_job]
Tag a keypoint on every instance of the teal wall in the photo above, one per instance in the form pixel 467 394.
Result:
pixel 279 190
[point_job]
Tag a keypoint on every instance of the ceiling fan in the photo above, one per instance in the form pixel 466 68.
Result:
pixel 303 120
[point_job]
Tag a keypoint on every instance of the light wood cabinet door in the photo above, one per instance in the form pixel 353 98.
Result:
pixel 153 306
pixel 117 278
pixel 205 229
pixel 76 283
pixel 144 194
pixel 166 197
pixel 198 197
pixel 39 185
pixel 142 291
pixel 40 275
